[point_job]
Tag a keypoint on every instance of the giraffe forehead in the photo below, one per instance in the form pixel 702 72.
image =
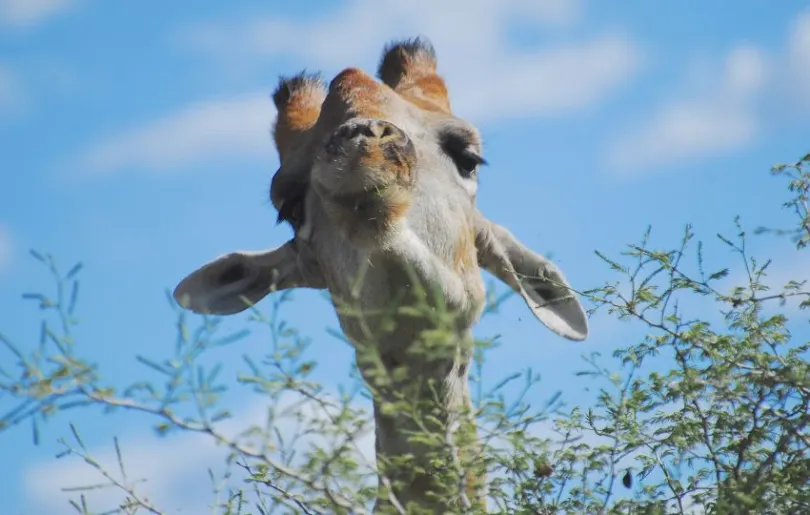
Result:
pixel 355 94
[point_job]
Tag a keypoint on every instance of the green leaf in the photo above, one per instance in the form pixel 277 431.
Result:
pixel 35 431
pixel 76 436
pixel 73 271
pixel 74 297
pixel 222 415
pixel 719 274
pixel 231 338
pixel 154 366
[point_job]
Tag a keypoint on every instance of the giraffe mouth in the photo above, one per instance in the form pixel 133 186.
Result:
pixel 373 201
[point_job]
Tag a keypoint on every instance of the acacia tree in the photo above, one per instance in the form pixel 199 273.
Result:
pixel 701 415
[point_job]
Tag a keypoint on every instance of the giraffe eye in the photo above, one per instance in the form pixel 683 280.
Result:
pixel 459 150
pixel 467 162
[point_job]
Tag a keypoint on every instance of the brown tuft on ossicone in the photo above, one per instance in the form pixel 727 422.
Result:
pixel 298 100
pixel 409 67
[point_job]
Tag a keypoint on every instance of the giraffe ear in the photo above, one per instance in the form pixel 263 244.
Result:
pixel 541 284
pixel 236 281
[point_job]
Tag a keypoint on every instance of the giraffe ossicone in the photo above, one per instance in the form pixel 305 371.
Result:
pixel 378 180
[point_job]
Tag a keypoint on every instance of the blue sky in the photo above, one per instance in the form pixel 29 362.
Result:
pixel 135 138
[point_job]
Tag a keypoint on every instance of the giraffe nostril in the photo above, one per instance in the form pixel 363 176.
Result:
pixel 387 131
pixel 372 130
pixel 367 130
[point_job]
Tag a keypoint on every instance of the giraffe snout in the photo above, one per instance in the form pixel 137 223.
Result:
pixel 375 146
pixel 366 177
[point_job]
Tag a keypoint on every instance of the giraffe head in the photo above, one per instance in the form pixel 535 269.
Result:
pixel 377 176
pixel 378 180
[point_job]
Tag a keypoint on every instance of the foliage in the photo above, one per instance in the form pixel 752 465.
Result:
pixel 708 413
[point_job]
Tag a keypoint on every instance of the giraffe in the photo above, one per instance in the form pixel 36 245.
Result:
pixel 378 180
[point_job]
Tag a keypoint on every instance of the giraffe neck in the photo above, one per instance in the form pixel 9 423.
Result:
pixel 426 443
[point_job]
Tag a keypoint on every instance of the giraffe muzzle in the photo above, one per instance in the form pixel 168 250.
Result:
pixel 373 147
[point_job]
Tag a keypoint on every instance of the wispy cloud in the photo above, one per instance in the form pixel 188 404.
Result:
pixel 549 82
pixel 724 114
pixel 502 81
pixel 168 466
pixel 489 77
pixel 798 59
pixel 355 30
pixel 722 117
pixel 25 13
pixel 233 127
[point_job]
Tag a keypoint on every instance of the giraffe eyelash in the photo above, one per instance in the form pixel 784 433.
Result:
pixel 467 161
pixel 459 149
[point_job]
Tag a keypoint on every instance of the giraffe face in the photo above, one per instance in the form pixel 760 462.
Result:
pixel 385 161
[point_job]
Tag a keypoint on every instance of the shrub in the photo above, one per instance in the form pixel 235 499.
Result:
pixel 704 414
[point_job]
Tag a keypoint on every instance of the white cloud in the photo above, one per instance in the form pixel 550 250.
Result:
pixel 799 58
pixel 487 76
pixel 681 131
pixel 167 465
pixel 721 117
pixel 501 82
pixel 746 72
pixel 24 13
pixel 356 30
pixel 726 114
pixel 548 82
pixel 197 133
